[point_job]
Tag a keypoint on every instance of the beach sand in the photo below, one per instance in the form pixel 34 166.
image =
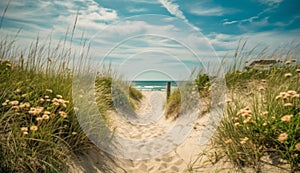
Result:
pixel 189 156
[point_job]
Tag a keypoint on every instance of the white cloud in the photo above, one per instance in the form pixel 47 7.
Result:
pixel 173 8
pixel 217 11
pixel 226 44
pixel 270 2
pixel 230 22
pixel 136 10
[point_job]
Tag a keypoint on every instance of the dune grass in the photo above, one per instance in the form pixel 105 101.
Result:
pixel 261 121
pixel 39 130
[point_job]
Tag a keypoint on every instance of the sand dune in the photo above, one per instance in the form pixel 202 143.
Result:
pixel 184 158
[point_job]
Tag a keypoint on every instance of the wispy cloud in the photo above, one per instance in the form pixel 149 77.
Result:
pixel 270 2
pixel 173 8
pixel 205 8
pixel 136 10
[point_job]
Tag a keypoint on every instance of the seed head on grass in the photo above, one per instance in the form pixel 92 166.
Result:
pixel 283 137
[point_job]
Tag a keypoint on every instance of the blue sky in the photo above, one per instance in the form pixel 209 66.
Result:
pixel 220 23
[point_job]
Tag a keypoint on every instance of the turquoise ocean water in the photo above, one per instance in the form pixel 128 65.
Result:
pixel 153 85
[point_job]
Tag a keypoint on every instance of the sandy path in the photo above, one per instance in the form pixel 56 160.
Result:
pixel 154 125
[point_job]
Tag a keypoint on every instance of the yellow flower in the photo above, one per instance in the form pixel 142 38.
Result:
pixel 297 146
pixel 63 114
pixel 263 80
pixel 4 104
pixel 24 129
pixel 288 105
pixel 45 117
pixel 236 124
pixel 298 70
pixel 39 118
pixel 47 112
pixel 291 92
pixel 74 133
pixel 41 100
pixel 261 88
pixel 46 97
pixel 245 112
pixel 228 141
pixel 17 91
pixel 25 133
pixel 287 62
pixel 24 105
pixel 58 96
pixel 282 137
pixel 23 95
pixel 288 75
pixel 247 120
pixel 35 111
pixel 265 124
pixel 265 113
pixel 244 140
pixel 33 128
pixel 56 104
pixel 228 100
pixel 286 118
pixel 49 90
pixel 14 103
